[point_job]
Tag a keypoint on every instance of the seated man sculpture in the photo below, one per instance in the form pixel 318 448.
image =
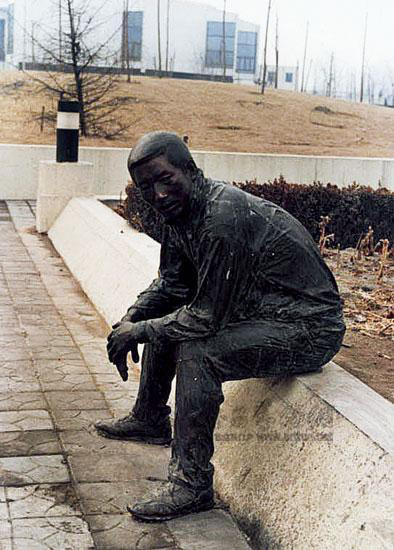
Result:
pixel 242 292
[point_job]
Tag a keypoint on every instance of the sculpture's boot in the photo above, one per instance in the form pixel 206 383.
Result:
pixel 149 420
pixel 130 428
pixel 172 500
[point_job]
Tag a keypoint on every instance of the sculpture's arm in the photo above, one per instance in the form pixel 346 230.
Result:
pixel 173 288
pixel 221 277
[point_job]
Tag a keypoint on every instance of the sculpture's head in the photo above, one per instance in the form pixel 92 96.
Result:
pixel 163 169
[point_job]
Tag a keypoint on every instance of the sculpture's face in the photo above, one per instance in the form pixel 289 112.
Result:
pixel 165 187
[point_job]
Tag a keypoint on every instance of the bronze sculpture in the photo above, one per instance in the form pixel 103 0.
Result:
pixel 242 293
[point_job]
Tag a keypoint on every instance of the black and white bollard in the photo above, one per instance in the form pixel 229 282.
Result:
pixel 65 179
pixel 67 131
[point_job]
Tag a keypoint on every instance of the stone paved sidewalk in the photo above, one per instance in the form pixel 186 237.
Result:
pixel 62 486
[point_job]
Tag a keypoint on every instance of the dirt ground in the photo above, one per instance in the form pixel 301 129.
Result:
pixel 216 116
pixel 368 350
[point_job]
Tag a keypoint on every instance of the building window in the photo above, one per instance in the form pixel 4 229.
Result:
pixel 134 35
pixel 2 39
pixel 214 49
pixel 246 52
pixel 289 77
pixel 271 77
pixel 10 34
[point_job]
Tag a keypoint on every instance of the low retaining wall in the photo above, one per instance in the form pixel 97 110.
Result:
pixel 303 462
pixel 19 175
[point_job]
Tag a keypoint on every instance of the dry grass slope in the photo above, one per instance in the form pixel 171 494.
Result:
pixel 217 116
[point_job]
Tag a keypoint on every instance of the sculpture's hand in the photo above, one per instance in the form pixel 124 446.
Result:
pixel 122 340
pixel 121 365
pixel 125 319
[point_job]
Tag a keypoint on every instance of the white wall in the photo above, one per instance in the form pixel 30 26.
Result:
pixel 19 168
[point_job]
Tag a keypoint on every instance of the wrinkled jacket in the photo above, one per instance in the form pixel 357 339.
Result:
pixel 236 258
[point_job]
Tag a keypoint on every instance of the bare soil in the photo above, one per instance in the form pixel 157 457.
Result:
pixel 368 350
pixel 215 116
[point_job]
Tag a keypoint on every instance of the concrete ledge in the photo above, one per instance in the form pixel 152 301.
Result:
pixel 303 462
pixel 58 182
pixel 19 163
pixel 111 261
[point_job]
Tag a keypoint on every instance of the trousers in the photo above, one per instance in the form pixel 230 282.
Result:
pixel 255 349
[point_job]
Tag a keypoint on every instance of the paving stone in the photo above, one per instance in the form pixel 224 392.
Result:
pixel 17 471
pixel 78 420
pixel 25 267
pixel 8 320
pixel 22 401
pixel 121 532
pixel 3 513
pixel 100 367
pixel 48 367
pixel 27 299
pixel 5 535
pixel 88 441
pixel 112 498
pixel 38 501
pixel 78 400
pixel 11 330
pixel 39 340
pixel 66 533
pixel 45 310
pixel 14 351
pixel 39 442
pixel 67 382
pixel 31 322
pixel 118 401
pixel 212 530
pixel 58 352
pixel 144 462
pixel 94 354
pixel 111 381
pixel 19 371
pixel 12 421
pixel 12 385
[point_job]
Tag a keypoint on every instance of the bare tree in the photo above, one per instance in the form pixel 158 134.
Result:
pixel 330 80
pixel 363 60
pixel 126 40
pixel 224 39
pixel 304 60
pixel 60 29
pixel 159 34
pixel 167 34
pixel 276 52
pixel 265 47
pixel 92 81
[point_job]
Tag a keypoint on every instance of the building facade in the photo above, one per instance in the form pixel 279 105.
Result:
pixel 6 33
pixel 287 77
pixel 193 36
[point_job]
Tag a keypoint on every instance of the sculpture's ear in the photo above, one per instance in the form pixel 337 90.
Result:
pixel 191 167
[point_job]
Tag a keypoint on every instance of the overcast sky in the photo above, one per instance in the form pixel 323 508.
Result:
pixel 334 26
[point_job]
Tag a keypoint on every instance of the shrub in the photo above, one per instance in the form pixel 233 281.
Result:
pixel 351 210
